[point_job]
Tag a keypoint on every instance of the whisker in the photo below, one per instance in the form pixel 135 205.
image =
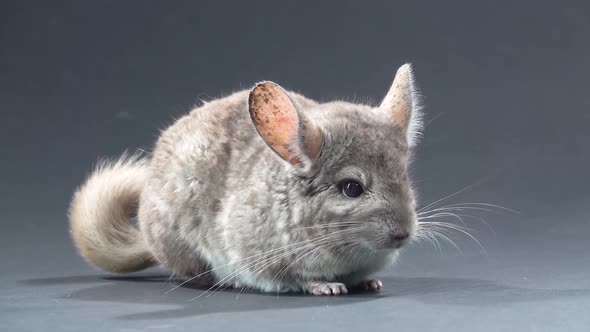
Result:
pixel 445 214
pixel 314 249
pixel 319 246
pixel 330 225
pixel 463 230
pixel 486 204
pixel 457 207
pixel 447 197
pixel 454 209
pixel 441 233
pixel 428 235
pixel 457 215
pixel 267 261
pixel 234 262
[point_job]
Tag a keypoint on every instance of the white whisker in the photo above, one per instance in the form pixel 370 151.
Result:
pixel 268 261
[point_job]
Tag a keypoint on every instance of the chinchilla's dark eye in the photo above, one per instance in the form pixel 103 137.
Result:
pixel 351 188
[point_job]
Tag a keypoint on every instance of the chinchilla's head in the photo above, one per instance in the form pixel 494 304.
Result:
pixel 350 162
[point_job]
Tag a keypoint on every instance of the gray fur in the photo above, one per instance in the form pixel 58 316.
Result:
pixel 220 205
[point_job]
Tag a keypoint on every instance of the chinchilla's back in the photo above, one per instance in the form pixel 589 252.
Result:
pixel 212 151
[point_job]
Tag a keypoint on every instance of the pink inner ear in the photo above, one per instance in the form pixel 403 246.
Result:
pixel 402 108
pixel 398 101
pixel 276 120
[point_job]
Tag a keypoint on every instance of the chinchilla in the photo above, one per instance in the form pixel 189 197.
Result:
pixel 262 189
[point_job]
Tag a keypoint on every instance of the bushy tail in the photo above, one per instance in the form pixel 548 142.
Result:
pixel 99 216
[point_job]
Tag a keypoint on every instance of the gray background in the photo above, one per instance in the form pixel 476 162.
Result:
pixel 505 83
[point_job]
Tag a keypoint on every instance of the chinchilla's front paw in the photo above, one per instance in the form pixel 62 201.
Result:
pixel 326 288
pixel 371 285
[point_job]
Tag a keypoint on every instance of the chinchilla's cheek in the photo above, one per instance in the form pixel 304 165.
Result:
pixel 337 211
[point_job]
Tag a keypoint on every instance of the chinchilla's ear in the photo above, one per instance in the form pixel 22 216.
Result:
pixel 285 129
pixel 402 104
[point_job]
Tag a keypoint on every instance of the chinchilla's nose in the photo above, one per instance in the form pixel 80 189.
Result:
pixel 397 238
